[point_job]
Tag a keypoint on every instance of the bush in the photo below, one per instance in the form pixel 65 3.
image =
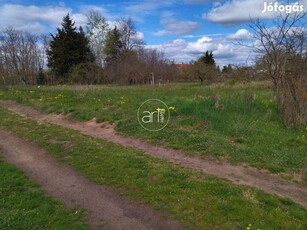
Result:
pixel 87 73
pixel 41 78
pixel 292 101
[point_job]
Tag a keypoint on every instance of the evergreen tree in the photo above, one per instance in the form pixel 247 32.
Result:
pixel 208 58
pixel 113 45
pixel 68 48
pixel 205 67
pixel 227 69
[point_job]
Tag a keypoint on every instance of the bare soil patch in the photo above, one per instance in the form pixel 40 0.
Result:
pixel 260 179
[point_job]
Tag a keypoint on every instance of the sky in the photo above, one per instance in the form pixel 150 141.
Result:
pixel 182 29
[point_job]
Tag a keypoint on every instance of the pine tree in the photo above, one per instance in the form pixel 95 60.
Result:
pixel 113 45
pixel 206 68
pixel 208 58
pixel 68 48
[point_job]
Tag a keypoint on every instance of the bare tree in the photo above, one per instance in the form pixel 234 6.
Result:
pixel 276 42
pixel 283 53
pixel 129 36
pixel 21 56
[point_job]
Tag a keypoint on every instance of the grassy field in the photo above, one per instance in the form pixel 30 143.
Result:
pixel 196 199
pixel 239 123
pixel 24 206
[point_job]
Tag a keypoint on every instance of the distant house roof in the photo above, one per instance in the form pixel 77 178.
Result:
pixel 182 66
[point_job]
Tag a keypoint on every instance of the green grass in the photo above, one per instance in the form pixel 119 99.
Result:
pixel 197 200
pixel 24 206
pixel 239 124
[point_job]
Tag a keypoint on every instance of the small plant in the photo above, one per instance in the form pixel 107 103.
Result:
pixel 231 82
pixel 249 227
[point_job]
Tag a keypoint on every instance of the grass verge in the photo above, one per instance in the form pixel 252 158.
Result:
pixel 197 200
pixel 239 124
pixel 24 206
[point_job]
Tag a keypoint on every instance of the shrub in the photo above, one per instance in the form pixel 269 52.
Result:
pixel 87 73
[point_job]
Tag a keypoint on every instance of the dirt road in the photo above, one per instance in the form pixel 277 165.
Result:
pixel 106 209
pixel 237 174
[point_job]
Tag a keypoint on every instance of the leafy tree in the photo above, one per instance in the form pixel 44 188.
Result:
pixel 97 29
pixel 68 48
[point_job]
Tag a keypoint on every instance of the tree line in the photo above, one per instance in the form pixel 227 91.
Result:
pixel 99 53
pixel 22 56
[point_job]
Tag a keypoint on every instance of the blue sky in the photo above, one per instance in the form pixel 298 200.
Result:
pixel 182 29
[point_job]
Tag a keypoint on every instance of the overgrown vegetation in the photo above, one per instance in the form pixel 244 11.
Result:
pixel 121 57
pixel 24 206
pixel 283 50
pixel 238 123
pixel 204 69
pixel 199 201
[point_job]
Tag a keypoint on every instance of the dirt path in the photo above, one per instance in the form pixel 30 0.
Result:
pixel 106 209
pixel 238 174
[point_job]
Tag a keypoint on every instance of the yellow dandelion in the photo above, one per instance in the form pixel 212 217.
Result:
pixel 172 108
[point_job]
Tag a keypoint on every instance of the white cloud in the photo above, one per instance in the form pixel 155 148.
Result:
pixel 235 12
pixel 224 51
pixel 36 18
pixel 240 35
pixel 173 26
pixel 139 35
pixel 200 46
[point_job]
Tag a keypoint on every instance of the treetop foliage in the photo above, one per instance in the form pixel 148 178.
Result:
pixel 68 47
pixel 207 58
